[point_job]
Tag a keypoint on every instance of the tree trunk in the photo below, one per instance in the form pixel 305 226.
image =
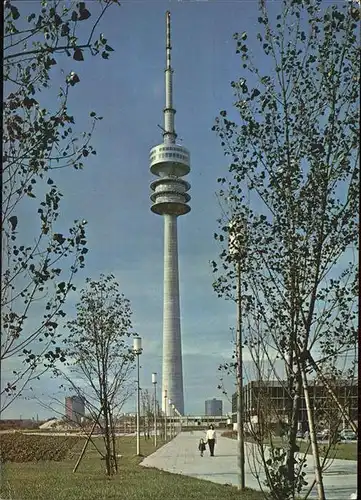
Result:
pixel 114 446
pixel 86 444
pixel 107 439
pixel 292 428
pixel 314 444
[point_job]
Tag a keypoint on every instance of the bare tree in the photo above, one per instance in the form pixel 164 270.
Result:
pixel 148 412
pixel 102 358
pixel 269 425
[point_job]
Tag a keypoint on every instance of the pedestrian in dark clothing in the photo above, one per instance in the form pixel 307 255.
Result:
pixel 201 446
pixel 211 439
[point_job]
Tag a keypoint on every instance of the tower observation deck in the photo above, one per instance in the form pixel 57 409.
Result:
pixel 170 162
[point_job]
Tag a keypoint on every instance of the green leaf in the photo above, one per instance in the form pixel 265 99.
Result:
pixel 28 103
pixel 255 93
pixel 39 21
pixel 65 30
pixel 13 221
pixel 83 15
pixel 59 238
pixel 15 14
pixel 109 48
pixel 57 20
pixel 78 55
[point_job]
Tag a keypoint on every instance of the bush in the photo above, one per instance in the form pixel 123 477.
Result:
pixel 20 447
pixel 230 434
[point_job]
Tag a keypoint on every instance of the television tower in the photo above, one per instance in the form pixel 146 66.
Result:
pixel 170 162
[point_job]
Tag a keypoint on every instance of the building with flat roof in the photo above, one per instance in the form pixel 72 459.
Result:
pixel 270 399
pixel 75 408
pixel 213 407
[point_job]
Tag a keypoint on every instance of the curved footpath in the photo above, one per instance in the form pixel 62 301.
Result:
pixel 181 456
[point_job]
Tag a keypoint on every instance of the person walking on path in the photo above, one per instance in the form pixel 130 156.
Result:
pixel 201 446
pixel 211 439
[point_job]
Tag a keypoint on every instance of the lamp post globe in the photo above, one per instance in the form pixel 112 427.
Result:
pixel 137 345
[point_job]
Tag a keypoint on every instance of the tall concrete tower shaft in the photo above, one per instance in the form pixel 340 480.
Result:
pixel 170 162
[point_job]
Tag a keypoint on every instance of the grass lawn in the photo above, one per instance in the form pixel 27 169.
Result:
pixel 52 480
pixel 344 451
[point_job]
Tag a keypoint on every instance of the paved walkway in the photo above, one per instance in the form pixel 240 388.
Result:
pixel 181 456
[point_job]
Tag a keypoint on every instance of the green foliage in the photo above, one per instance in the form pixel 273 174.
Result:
pixel 38 272
pixel 295 153
pixel 98 344
pixel 277 478
pixel 98 340
pixel 102 327
pixel 290 196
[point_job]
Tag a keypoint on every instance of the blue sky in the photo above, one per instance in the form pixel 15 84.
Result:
pixel 112 192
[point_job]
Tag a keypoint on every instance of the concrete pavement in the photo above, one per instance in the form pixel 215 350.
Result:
pixel 181 456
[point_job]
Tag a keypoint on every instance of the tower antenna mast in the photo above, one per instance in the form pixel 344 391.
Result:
pixel 169 112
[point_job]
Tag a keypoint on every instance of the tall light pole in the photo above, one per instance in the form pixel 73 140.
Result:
pixel 154 382
pixel 165 415
pixel 137 349
pixel 237 243
pixel 239 356
pixel 173 413
pixel 170 418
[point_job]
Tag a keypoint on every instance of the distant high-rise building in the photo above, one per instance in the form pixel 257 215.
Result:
pixel 214 407
pixel 74 408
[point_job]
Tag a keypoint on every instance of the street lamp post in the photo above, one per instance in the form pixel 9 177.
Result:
pixel 154 382
pixel 174 423
pixel 165 414
pixel 137 349
pixel 237 251
pixel 240 382
pixel 170 418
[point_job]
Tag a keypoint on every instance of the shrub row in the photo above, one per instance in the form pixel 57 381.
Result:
pixel 18 447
